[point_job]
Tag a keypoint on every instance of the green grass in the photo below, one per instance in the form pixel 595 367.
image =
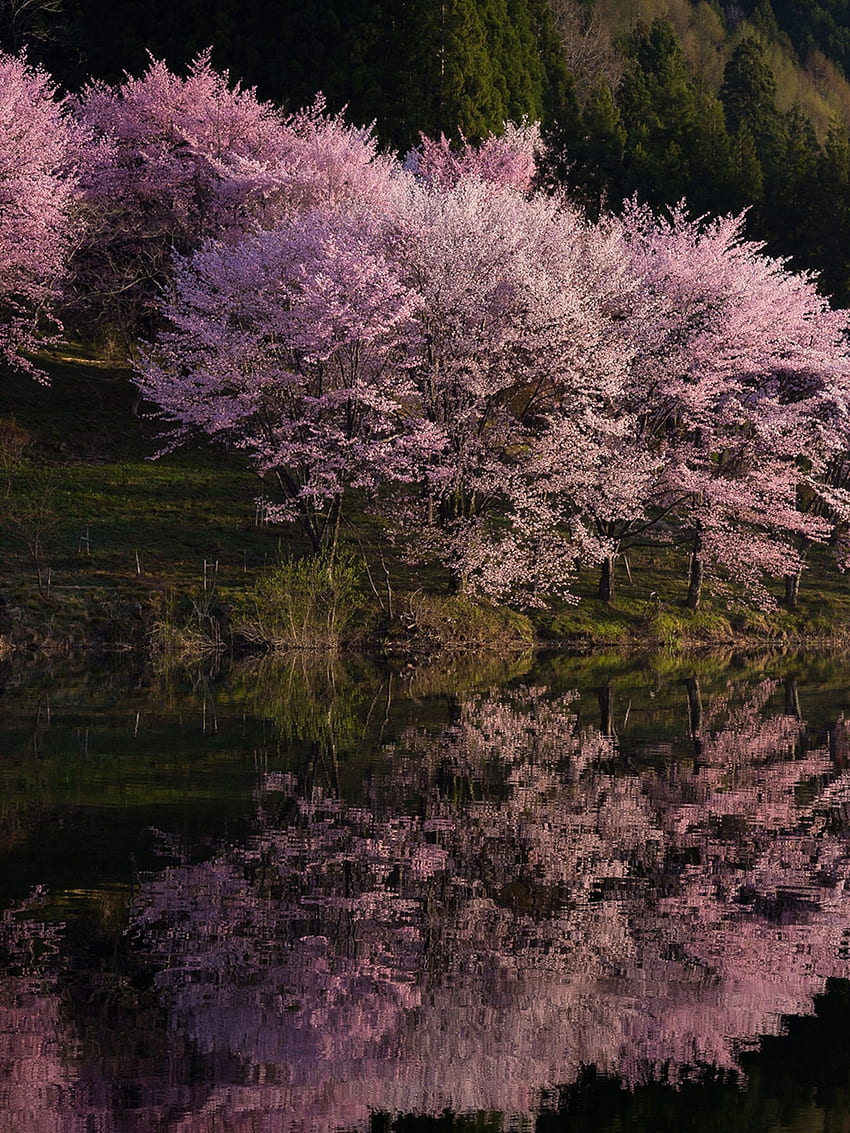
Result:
pixel 124 541
pixel 649 607
pixel 116 533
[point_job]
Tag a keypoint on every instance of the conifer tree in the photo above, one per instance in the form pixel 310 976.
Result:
pixel 676 143
pixel 831 213
pixel 748 92
pixel 591 162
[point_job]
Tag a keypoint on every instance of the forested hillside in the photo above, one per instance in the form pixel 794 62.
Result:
pixel 411 65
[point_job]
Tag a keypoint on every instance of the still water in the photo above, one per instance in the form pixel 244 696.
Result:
pixel 570 895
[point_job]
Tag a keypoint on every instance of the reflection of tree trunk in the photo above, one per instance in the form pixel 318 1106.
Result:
pixel 694 714
pixel 839 743
pixel 323 765
pixel 792 708
pixel 387 705
pixel 792 590
pixel 606 710
pixel 697 572
pixel 606 579
pixel 792 699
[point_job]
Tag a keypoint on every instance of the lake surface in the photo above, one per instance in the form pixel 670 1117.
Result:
pixel 575 894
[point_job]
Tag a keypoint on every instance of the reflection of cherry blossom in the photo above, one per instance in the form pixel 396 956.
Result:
pixel 500 903
pixel 35 1081
pixel 507 906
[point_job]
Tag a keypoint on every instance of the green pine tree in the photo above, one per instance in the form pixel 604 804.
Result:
pixel 676 143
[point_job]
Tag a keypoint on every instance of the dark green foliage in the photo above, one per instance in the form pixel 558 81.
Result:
pixel 748 92
pixel 467 91
pixel 593 163
pixel 517 72
pixel 663 138
pixel 457 66
pixel 560 107
pixel 816 25
pixel 790 214
pixel 758 131
pixel 748 168
pixel 830 211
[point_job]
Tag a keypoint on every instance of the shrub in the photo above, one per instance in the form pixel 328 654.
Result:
pixel 313 603
pixel 187 632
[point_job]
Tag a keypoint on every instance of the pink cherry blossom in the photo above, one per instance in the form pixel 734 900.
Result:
pixel 507 159
pixel 293 345
pixel 37 203
pixel 178 160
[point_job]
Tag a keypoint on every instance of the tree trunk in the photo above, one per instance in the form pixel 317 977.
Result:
pixel 792 590
pixel 307 521
pixel 697 573
pixel 606 579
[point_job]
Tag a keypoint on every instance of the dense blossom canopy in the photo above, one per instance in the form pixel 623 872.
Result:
pixel 181 160
pixel 509 159
pixel 37 195
pixel 516 389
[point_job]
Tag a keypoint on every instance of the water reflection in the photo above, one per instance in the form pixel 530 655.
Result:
pixel 448 902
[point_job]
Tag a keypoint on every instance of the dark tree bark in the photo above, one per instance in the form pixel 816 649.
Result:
pixel 606 580
pixel 792 590
pixel 697 573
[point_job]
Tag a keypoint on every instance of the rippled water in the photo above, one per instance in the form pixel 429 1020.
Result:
pixel 593 895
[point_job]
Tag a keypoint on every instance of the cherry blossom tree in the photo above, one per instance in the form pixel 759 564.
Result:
pixel 415 341
pixel 514 312
pixel 179 160
pixel 611 491
pixel 37 202
pixel 175 160
pixel 508 159
pixel 544 390
pixel 326 162
pixel 292 347
pixel 735 401
pixel 745 377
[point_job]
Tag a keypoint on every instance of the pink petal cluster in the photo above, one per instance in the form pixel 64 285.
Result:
pixel 37 201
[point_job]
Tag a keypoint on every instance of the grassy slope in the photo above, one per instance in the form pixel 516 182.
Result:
pixel 650 607
pixel 86 473
pixel 120 532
